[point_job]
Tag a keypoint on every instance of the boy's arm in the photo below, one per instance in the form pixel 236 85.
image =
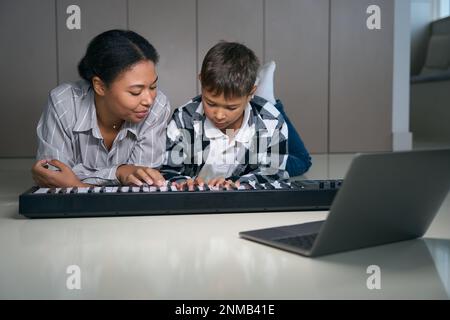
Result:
pixel 272 161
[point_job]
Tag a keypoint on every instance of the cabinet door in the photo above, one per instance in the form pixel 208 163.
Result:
pixel 297 40
pixel 231 20
pixel 171 27
pixel 96 16
pixel 361 71
pixel 28 71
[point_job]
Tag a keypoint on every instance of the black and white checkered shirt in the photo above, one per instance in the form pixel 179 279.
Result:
pixel 263 159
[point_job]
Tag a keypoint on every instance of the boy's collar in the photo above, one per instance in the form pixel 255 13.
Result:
pixel 243 135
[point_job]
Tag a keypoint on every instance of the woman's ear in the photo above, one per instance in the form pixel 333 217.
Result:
pixel 98 85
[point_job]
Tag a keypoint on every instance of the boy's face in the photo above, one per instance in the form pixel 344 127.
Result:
pixel 225 113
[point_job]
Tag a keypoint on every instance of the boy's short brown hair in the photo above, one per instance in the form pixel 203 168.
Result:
pixel 229 68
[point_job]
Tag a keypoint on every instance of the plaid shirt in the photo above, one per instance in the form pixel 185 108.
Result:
pixel 263 159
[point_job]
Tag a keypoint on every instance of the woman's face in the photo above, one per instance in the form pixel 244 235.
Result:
pixel 131 95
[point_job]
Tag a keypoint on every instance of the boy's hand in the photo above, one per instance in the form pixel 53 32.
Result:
pixel 222 182
pixel 129 174
pixel 47 178
pixel 189 184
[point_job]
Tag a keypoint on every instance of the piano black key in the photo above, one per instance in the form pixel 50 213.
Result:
pixel 247 186
pixel 63 191
pixel 268 186
pixel 304 184
pixel 284 185
pixel 257 186
pixel 74 190
pixel 91 189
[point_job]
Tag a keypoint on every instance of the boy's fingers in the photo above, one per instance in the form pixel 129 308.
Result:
pixel 212 182
pixel 200 181
pixel 220 182
pixel 190 184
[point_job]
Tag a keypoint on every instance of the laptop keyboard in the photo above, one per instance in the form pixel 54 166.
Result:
pixel 304 242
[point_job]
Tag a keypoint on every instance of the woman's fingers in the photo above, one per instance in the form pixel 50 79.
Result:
pixel 59 165
pixel 156 176
pixel 143 176
pixel 39 166
pixel 133 180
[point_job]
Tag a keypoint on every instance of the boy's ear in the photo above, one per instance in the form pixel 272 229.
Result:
pixel 98 85
pixel 252 92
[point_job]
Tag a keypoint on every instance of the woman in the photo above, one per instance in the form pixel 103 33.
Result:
pixel 108 128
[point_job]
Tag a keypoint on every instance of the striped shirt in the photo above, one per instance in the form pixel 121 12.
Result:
pixel 68 131
pixel 259 157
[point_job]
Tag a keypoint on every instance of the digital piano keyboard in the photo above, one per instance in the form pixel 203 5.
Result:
pixel 149 200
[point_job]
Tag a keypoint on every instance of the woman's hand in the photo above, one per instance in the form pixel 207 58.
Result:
pixel 135 175
pixel 48 178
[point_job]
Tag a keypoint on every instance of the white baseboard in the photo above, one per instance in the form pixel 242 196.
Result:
pixel 402 141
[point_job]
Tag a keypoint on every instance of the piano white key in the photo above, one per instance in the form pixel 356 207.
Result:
pixel 164 189
pixel 146 189
pixel 41 190
pixel 69 189
pixel 110 189
pixel 83 189
pixel 201 188
pixel 135 189
pixel 276 185
pixel 173 188
pixel 242 188
pixel 58 190
pixel 153 189
pixel 97 189
pixel 124 189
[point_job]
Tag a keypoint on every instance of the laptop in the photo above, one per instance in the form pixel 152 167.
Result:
pixel 385 198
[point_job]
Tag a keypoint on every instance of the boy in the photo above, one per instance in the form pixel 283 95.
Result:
pixel 227 135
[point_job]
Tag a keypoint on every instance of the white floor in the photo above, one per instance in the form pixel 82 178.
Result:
pixel 201 256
